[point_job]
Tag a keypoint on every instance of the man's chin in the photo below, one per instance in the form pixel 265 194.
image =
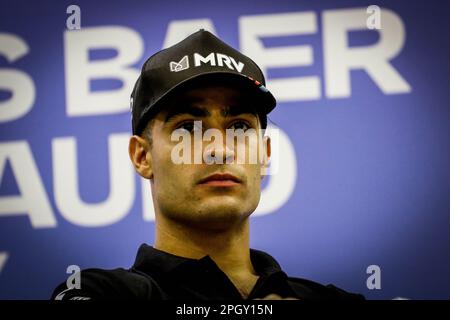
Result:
pixel 222 205
pixel 220 215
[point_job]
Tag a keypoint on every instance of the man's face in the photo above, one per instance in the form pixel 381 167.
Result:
pixel 179 190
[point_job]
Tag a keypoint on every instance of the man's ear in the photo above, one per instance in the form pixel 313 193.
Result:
pixel 266 156
pixel 139 151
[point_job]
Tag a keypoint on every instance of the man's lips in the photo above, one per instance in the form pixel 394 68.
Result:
pixel 220 180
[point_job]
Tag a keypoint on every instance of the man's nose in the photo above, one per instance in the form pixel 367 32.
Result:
pixel 219 153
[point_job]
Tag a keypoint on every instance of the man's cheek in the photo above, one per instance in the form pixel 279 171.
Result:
pixel 254 181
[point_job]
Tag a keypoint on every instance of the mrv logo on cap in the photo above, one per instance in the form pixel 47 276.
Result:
pixel 213 59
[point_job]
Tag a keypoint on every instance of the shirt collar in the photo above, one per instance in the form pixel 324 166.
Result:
pixel 156 262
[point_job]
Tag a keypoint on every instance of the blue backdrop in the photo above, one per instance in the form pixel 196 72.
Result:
pixel 363 157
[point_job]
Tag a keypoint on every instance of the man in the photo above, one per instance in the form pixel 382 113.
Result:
pixel 203 196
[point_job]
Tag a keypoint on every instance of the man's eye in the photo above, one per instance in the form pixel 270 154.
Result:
pixel 240 125
pixel 189 126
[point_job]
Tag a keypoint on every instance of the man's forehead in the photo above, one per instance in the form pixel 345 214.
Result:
pixel 227 100
pixel 199 110
pixel 204 93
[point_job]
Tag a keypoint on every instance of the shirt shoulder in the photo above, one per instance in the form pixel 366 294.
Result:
pixel 102 284
pixel 310 290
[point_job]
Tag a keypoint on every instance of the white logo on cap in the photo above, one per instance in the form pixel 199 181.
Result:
pixel 183 64
pixel 218 59
pixel 213 59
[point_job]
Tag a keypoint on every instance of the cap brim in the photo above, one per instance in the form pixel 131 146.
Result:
pixel 243 83
pixel 264 100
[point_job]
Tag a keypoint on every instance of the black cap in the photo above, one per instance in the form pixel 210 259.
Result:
pixel 199 56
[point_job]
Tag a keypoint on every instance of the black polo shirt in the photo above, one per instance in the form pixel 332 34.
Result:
pixel 158 275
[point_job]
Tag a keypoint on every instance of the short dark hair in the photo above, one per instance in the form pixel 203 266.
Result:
pixel 147 132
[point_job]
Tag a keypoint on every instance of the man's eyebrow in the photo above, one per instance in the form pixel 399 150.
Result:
pixel 238 109
pixel 194 110
pixel 189 109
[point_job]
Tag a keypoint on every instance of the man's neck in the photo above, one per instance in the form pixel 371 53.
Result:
pixel 229 249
